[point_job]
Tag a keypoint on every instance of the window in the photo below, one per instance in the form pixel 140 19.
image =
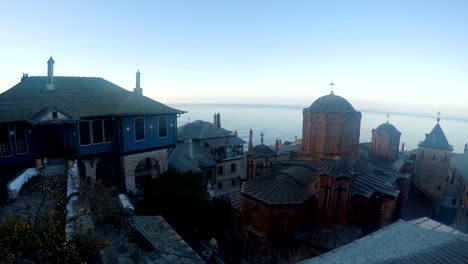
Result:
pixel 233 167
pixel 109 130
pixel 233 182
pixel 98 135
pixel 454 201
pixel 5 143
pixel 21 141
pixel 220 185
pixel 140 128
pixel 162 124
pixel 85 133
pixel 220 170
pixel 54 115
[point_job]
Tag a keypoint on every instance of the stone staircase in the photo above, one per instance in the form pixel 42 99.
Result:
pixel 56 167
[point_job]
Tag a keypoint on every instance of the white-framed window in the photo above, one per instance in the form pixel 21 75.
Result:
pixel 162 125
pixel 5 143
pixel 109 130
pixel 21 141
pixel 98 131
pixel 139 125
pixel 85 132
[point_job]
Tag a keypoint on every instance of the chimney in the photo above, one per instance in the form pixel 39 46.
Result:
pixel 138 89
pixel 280 143
pixel 50 75
pixel 466 148
pixel 190 149
pixel 276 145
pixel 235 133
pixel 218 120
pixel 403 146
pixel 250 147
pixel 261 138
pixel 215 121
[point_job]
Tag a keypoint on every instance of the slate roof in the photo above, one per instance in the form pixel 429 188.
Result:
pixel 419 241
pixel 331 104
pixel 77 96
pixel 436 139
pixel 460 162
pixel 287 186
pixel 201 130
pixel 168 246
pixel 336 168
pixel 179 159
pixel 263 150
pixel 376 181
pixel 387 127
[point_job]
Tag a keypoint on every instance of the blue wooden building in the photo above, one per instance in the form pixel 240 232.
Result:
pixel 120 136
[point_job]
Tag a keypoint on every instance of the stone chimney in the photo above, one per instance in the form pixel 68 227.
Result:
pixel 276 145
pixel 190 149
pixel 215 121
pixel 50 75
pixel 235 133
pixel 138 89
pixel 261 138
pixel 466 148
pixel 250 147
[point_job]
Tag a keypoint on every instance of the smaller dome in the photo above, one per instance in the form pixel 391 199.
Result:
pixel 331 104
pixel 263 150
pixel 387 127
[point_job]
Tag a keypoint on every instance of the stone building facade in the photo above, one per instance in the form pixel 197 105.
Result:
pixel 432 164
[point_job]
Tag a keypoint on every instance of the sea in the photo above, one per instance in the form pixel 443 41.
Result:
pixel 285 123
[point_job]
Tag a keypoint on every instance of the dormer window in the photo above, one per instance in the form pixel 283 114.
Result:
pixel 54 115
pixel 139 128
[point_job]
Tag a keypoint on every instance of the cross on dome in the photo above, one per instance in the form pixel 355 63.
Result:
pixel 331 85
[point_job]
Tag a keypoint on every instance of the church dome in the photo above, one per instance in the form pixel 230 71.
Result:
pixel 331 104
pixel 263 151
pixel 387 127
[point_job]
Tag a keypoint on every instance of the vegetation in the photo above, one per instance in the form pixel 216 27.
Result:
pixel 179 198
pixel 42 238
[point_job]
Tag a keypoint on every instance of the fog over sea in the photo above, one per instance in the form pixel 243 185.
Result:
pixel 285 122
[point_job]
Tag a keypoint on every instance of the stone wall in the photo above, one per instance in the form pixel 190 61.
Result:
pixel 431 172
pixel 130 163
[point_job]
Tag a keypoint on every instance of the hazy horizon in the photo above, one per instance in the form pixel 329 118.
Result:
pixel 388 56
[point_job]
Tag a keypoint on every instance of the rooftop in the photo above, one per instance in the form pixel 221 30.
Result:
pixel 331 104
pixel 419 241
pixel 77 97
pixel 201 130
pixel 436 139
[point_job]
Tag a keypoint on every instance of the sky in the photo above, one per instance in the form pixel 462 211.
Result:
pixel 391 56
